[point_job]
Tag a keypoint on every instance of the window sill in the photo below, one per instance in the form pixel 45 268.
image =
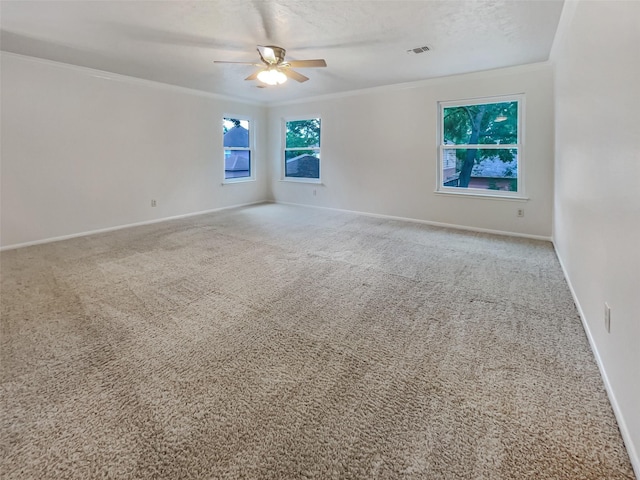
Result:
pixel 486 196
pixel 232 181
pixel 312 181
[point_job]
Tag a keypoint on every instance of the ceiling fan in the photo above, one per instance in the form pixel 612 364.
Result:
pixel 274 70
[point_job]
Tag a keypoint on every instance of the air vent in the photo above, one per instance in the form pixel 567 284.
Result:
pixel 418 50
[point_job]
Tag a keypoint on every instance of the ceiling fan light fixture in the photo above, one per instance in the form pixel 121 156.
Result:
pixel 274 70
pixel 272 76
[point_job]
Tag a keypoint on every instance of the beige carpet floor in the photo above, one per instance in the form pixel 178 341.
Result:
pixel 285 342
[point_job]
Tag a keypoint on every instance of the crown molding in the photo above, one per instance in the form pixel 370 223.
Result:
pixel 481 74
pixel 117 77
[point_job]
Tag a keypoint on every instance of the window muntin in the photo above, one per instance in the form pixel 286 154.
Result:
pixel 480 147
pixel 236 134
pixel 302 149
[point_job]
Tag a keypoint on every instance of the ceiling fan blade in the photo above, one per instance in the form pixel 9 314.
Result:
pixel 267 15
pixel 176 39
pixel 254 75
pixel 308 63
pixel 294 75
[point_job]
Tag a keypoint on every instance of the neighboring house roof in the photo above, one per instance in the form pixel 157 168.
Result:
pixel 303 166
pixel 237 137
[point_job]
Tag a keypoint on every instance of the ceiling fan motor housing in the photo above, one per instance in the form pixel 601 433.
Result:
pixel 278 53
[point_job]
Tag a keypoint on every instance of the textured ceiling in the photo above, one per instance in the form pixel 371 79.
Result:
pixel 365 43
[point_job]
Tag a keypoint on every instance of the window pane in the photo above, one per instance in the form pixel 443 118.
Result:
pixel 236 132
pixel 302 164
pixel 303 133
pixel 488 123
pixel 485 169
pixel 237 163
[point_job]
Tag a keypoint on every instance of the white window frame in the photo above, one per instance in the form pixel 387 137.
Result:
pixel 251 149
pixel 317 150
pixel 519 145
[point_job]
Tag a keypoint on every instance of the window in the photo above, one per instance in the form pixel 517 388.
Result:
pixel 481 147
pixel 302 149
pixel 236 135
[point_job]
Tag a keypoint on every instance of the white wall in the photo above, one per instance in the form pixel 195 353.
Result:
pixel 597 188
pixel 82 153
pixel 379 152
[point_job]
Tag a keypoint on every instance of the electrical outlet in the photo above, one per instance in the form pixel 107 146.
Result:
pixel 607 317
pixel 153 203
pixel 314 192
pixel 521 212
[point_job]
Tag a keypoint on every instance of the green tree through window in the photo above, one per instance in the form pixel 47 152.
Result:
pixel 485 139
pixel 302 149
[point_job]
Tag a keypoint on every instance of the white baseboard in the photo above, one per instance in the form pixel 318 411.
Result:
pixel 425 222
pixel 624 431
pixel 120 227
